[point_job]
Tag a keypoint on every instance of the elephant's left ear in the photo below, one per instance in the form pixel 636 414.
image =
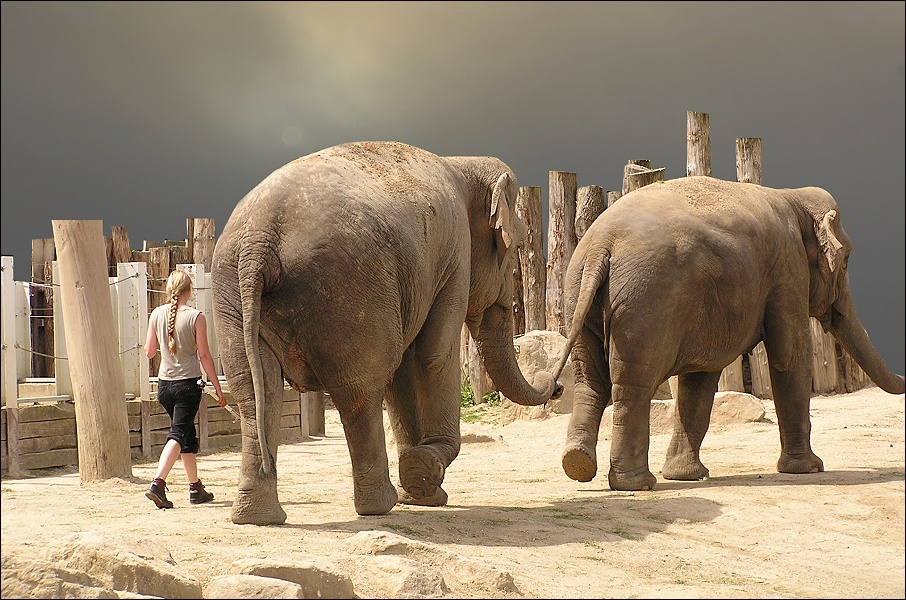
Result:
pixel 500 211
pixel 830 245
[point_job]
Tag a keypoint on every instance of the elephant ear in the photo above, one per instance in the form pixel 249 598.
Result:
pixel 830 245
pixel 505 227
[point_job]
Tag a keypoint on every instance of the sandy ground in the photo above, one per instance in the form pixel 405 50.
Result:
pixel 748 532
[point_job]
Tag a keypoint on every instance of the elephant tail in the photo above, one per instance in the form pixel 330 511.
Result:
pixel 250 267
pixel 595 269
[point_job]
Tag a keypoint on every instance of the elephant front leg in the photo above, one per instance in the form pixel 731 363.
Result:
pixel 402 409
pixel 692 416
pixel 629 446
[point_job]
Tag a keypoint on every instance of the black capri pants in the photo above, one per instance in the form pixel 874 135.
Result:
pixel 180 398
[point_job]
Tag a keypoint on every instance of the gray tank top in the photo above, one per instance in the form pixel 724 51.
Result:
pixel 185 364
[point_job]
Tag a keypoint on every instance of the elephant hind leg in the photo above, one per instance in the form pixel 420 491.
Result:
pixel 629 446
pixel 363 423
pixel 695 398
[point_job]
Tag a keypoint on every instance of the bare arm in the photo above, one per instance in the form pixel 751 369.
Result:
pixel 204 355
pixel 151 341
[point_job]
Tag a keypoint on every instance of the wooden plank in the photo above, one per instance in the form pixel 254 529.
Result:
pixel 52 458
pixel 46 412
pixel 761 377
pixel 824 360
pixel 632 166
pixel 316 415
pixel 47 428
pixel 48 442
pixel 731 377
pixel 643 178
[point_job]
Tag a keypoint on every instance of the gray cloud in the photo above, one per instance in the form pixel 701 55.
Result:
pixel 144 114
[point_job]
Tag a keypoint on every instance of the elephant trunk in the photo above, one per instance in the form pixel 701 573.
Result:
pixel 848 330
pixel 495 345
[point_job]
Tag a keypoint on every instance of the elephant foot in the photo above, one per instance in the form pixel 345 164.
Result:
pixel 251 508
pixel 629 482
pixel 376 502
pixel 439 498
pixel 421 471
pixel 806 462
pixel 579 464
pixel 685 468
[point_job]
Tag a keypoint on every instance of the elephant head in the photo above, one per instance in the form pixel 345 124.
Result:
pixel 496 232
pixel 830 300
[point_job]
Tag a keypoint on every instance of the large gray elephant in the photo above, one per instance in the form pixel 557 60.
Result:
pixel 352 270
pixel 680 278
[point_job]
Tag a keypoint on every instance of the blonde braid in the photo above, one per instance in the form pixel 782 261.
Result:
pixel 177 284
pixel 171 323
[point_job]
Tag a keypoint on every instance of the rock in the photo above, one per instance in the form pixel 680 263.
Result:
pixel 251 586
pixel 539 350
pixel 318 579
pixel 402 577
pixel 140 566
pixel 36 578
pixel 730 408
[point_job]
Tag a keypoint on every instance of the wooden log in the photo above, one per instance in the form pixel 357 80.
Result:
pixel 158 271
pixel 612 197
pixel 478 376
pixel 53 458
pixel 633 166
pixel 316 416
pixel 92 342
pixel 589 206
pixel 748 160
pixel 45 443
pixel 561 242
pixel 122 251
pixel 824 360
pixel 518 300
pixel 642 178
pixel 203 240
pixel 42 253
pixel 761 377
pixel 698 144
pixel 532 263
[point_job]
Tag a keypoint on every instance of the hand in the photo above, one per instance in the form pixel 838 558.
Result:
pixel 221 399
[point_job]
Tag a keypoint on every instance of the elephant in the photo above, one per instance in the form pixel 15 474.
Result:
pixel 682 277
pixel 352 271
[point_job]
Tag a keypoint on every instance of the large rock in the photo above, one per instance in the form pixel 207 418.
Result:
pixel 35 578
pixel 539 350
pixel 251 586
pixel 730 408
pixel 140 566
pixel 319 579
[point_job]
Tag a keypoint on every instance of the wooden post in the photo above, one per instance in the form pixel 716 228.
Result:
pixel 698 144
pixel 561 242
pixel 589 206
pixel 478 376
pixel 518 300
pixel 158 270
pixel 10 383
pixel 638 179
pixel 42 252
pixel 316 417
pixel 203 240
pixel 748 170
pixel 612 197
pixel 62 378
pixel 632 166
pixel 531 259
pixel 98 389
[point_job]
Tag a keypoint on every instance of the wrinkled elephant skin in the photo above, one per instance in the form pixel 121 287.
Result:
pixel 352 270
pixel 682 277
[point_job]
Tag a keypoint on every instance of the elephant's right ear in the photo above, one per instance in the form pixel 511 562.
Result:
pixel 830 245
pixel 500 210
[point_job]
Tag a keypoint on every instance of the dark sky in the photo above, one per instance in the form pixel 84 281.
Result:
pixel 145 114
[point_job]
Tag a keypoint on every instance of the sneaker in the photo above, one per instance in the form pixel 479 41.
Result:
pixel 198 495
pixel 158 495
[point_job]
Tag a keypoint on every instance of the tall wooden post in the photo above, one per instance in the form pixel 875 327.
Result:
pixel 561 242
pixel 589 206
pixel 698 144
pixel 42 252
pixel 92 342
pixel 201 241
pixel 531 259
pixel 748 170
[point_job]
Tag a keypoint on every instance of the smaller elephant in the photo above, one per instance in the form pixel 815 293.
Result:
pixel 680 278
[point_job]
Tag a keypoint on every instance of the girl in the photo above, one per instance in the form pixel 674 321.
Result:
pixel 180 383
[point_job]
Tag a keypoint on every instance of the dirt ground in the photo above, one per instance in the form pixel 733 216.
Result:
pixel 748 532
